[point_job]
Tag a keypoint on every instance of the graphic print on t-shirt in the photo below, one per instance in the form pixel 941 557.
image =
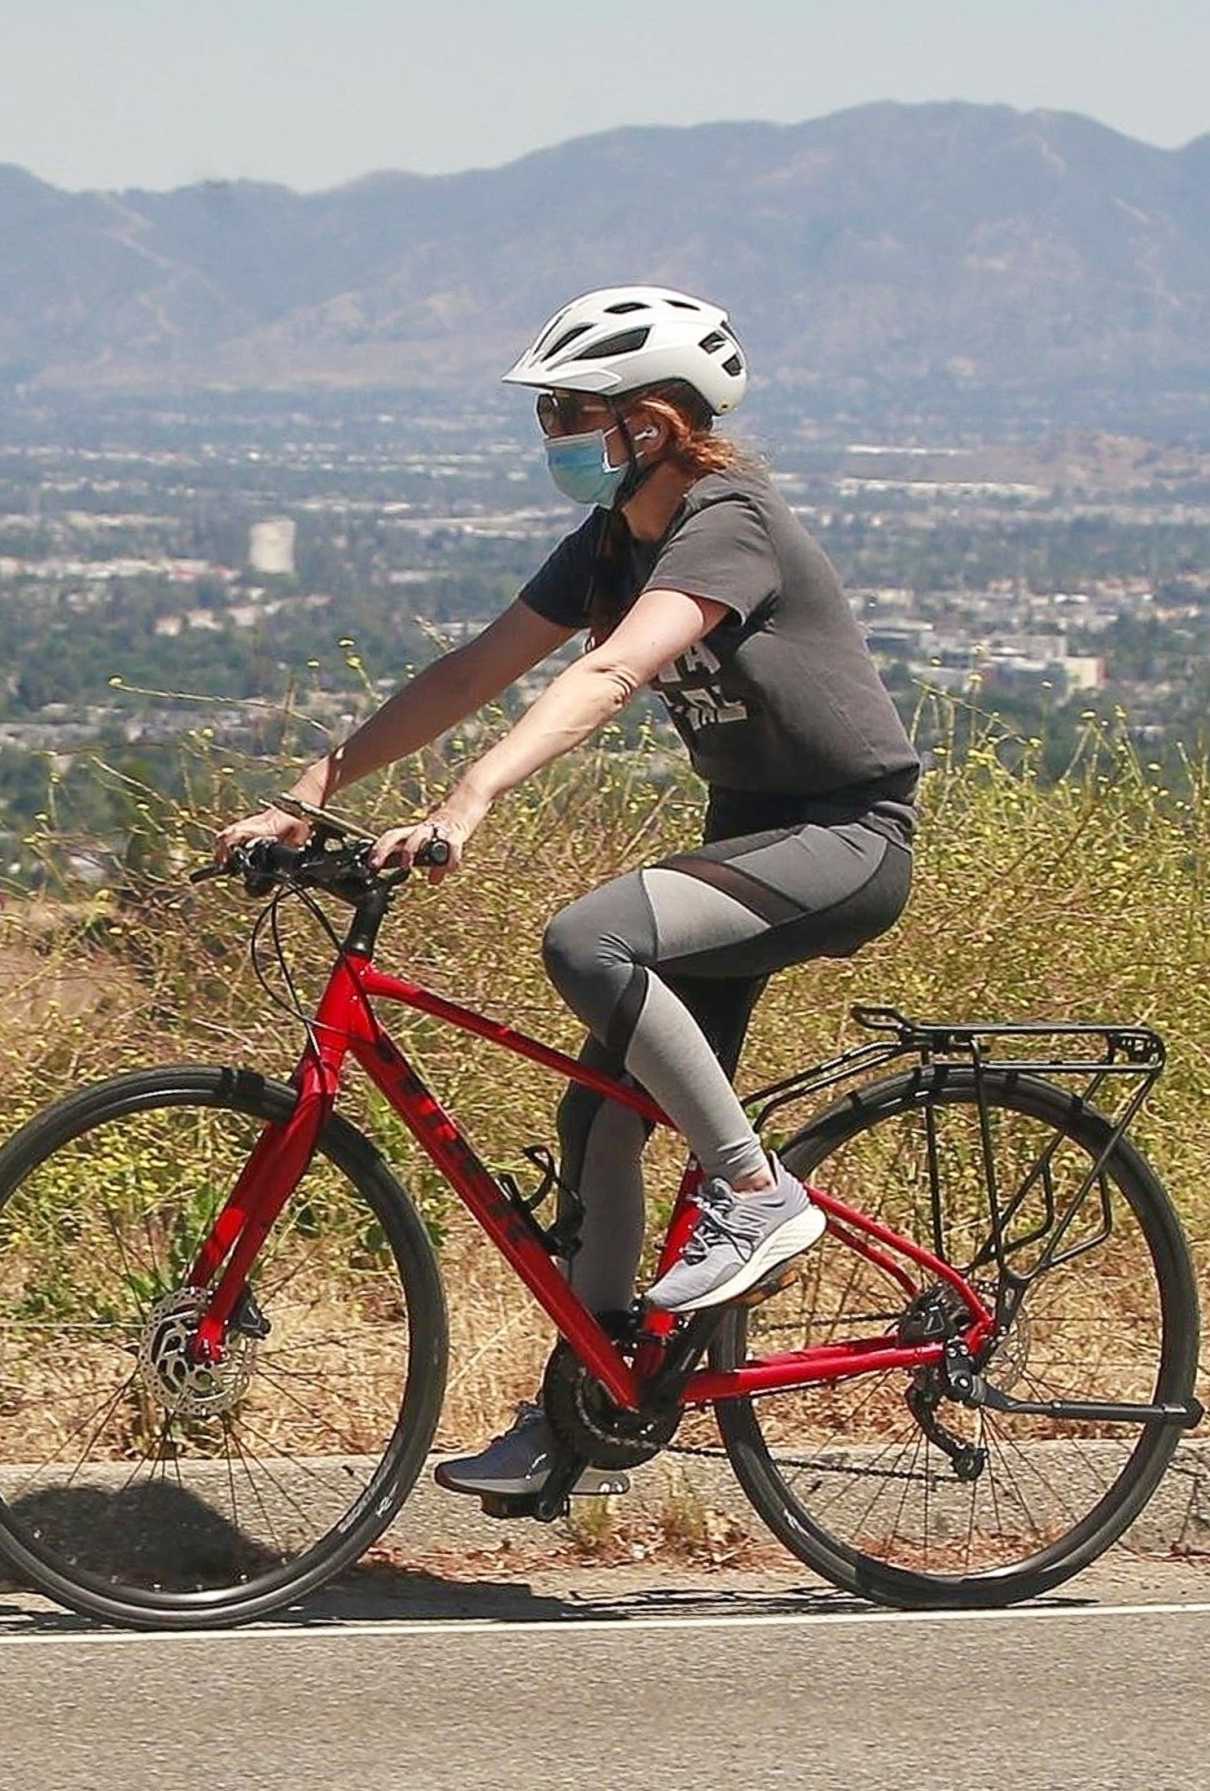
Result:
pixel 693 690
pixel 789 664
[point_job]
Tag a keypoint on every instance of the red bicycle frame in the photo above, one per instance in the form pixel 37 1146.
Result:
pixel 345 1023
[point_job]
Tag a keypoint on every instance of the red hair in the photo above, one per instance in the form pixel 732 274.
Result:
pixel 694 449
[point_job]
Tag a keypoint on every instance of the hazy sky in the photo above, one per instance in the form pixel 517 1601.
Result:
pixel 157 93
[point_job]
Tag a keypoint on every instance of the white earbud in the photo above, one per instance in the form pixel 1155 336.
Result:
pixel 645 435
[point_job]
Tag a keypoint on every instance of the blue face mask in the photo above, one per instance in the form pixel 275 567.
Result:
pixel 579 466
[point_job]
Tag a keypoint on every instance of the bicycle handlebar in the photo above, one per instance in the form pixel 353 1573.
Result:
pixel 264 862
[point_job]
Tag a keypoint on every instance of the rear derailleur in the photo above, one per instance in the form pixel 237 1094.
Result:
pixel 933 1317
pixel 923 1397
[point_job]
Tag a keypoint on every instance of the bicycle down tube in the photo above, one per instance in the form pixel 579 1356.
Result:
pixel 345 1023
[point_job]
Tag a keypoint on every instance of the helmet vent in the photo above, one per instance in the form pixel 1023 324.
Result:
pixel 550 329
pixel 567 336
pixel 625 306
pixel 733 365
pixel 626 343
pixel 714 341
pixel 683 304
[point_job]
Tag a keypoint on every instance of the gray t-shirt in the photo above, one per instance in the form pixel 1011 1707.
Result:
pixel 782 696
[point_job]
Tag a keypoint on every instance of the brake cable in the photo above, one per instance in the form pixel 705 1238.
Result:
pixel 270 915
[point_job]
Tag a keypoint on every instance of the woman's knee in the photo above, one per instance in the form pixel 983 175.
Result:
pixel 599 939
pixel 562 944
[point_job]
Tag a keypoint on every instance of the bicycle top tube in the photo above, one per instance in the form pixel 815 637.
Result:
pixel 345 1020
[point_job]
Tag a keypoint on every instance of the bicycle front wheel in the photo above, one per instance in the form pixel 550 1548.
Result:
pixel 137 1487
pixel 884 1484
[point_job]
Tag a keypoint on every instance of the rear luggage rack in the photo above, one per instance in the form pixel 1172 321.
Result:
pixel 1125 1050
pixel 1093 1055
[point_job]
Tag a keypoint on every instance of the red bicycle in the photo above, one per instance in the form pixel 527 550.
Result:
pixel 224 1333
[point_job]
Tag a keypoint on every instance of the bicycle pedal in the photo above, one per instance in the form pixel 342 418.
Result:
pixel 505 1505
pixel 764 1290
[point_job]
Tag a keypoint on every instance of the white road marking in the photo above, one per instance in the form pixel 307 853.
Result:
pixel 454 1627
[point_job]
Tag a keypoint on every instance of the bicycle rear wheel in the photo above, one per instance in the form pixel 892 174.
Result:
pixel 847 1476
pixel 138 1488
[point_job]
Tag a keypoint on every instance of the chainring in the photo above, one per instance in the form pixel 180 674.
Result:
pixel 587 1422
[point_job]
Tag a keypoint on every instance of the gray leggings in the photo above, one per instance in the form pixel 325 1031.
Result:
pixel 665 965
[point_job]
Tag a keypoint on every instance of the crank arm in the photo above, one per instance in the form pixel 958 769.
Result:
pixel 684 1351
pixel 1088 1411
pixel 553 1498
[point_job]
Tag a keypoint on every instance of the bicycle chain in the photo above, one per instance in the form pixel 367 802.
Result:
pixel 846 1318
pixel 701 1452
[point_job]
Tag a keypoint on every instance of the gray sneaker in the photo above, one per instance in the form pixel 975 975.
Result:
pixel 518 1461
pixel 737 1241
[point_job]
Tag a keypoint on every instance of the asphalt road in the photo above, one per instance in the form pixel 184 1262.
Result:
pixel 620 1679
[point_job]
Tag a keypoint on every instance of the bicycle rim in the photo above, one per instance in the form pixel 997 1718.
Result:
pixel 137 1489
pixel 848 1476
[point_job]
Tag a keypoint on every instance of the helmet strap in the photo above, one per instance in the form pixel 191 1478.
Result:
pixel 636 475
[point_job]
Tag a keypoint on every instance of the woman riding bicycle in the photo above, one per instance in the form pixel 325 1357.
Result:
pixel 692 576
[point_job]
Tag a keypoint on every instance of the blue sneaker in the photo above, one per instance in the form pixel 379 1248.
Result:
pixel 518 1461
pixel 737 1241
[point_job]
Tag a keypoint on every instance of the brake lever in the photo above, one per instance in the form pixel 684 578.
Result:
pixel 234 865
pixel 434 852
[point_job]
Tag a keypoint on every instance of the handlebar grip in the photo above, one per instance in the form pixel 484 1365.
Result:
pixel 434 852
pixel 261 861
pixel 210 870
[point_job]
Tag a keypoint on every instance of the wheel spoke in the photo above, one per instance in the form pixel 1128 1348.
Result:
pixel 1096 1326
pixel 159 1478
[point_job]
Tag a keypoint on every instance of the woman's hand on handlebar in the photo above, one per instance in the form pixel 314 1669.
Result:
pixel 271 823
pixel 454 822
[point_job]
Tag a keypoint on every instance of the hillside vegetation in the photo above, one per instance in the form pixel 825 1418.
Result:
pixel 947 242
pixel 1085 899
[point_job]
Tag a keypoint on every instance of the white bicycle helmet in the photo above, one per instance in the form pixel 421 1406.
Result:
pixel 623 337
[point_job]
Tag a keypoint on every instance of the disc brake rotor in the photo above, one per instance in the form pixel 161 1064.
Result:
pixel 183 1386
pixel 1010 1358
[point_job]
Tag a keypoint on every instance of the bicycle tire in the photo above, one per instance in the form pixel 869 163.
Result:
pixel 246 1093
pixel 853 1569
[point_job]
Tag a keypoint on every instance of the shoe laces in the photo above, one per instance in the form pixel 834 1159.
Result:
pixel 716 1224
pixel 527 1411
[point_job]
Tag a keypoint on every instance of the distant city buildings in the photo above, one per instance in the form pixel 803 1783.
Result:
pixel 271 546
pixel 948 652
pixel 191 584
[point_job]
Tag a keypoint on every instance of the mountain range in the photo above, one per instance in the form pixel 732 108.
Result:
pixel 977 244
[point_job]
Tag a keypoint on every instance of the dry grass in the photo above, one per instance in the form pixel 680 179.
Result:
pixel 1086 899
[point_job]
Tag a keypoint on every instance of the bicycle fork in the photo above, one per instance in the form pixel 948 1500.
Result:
pixel 279 1159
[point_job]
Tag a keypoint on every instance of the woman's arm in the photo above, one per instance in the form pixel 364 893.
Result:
pixel 437 698
pixel 661 625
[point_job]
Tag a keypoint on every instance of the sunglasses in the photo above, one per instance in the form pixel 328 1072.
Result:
pixel 561 413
